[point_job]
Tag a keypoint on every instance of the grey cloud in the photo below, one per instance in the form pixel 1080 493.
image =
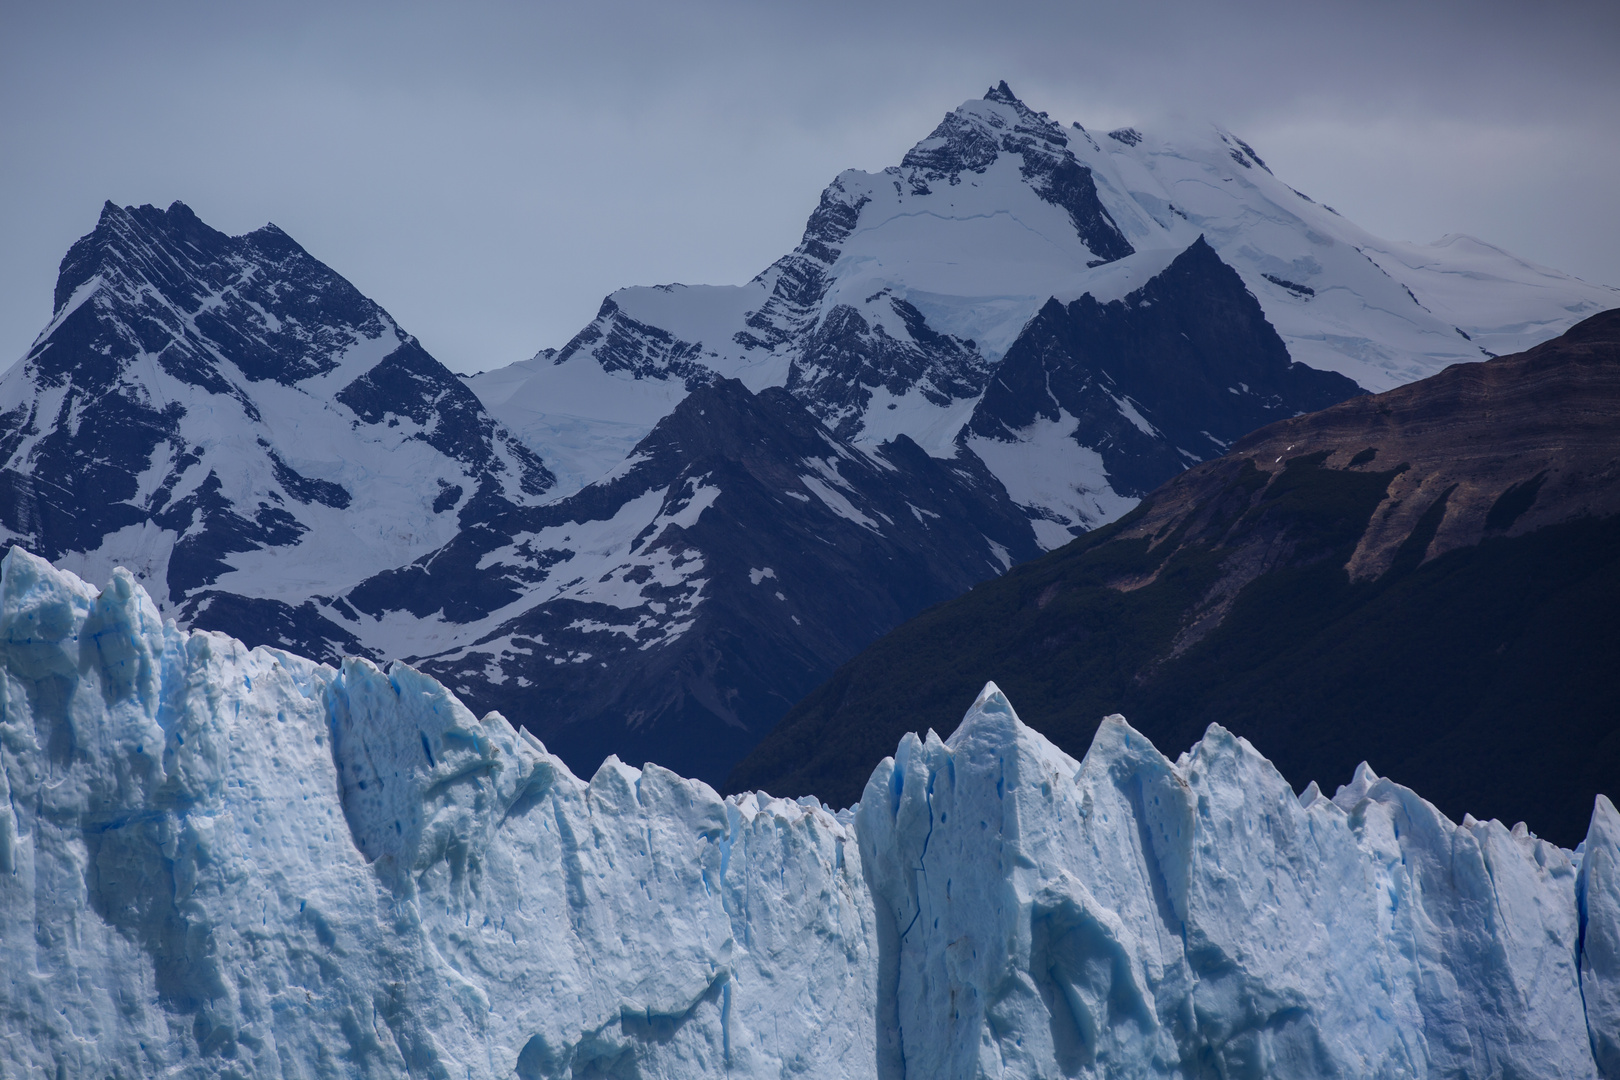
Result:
pixel 488 172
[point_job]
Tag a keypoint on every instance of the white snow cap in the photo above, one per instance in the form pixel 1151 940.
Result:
pixel 948 255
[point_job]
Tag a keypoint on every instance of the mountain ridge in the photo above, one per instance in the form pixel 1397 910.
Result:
pixel 200 399
pixel 881 327
pixel 514 625
pixel 499 595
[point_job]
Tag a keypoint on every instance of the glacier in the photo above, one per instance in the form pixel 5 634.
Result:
pixel 222 862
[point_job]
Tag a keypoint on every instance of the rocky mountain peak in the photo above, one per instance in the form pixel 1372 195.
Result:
pixel 1002 93
pixel 971 138
pixel 175 288
pixel 201 402
pixel 1151 383
pixel 123 234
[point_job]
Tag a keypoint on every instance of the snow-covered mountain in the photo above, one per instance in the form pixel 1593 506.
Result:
pixel 217 862
pixel 713 496
pixel 910 286
pixel 240 427
pixel 674 609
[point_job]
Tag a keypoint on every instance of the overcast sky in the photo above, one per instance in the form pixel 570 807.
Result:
pixel 489 171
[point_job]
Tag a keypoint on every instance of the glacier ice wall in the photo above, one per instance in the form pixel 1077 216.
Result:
pixel 1132 916
pixel 229 863
pixel 217 862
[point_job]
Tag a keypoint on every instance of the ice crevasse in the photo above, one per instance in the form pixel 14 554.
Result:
pixel 217 862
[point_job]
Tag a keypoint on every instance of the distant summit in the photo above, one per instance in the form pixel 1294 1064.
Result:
pixel 911 284
pixel 1003 93
pixel 201 404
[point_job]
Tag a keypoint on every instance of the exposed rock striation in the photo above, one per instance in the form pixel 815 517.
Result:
pixel 201 404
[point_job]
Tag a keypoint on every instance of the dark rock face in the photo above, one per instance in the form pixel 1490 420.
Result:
pixel 212 528
pixel 625 344
pixel 314 632
pixel 179 386
pixel 1245 154
pixel 1190 354
pixel 1424 578
pixel 801 278
pixel 673 612
pixel 307 490
pixel 959 144
pixel 258 301
pixel 409 384
pixel 844 358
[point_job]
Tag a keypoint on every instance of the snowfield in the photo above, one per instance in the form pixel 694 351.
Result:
pixel 217 862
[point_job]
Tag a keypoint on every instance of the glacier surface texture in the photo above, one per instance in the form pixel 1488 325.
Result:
pixel 217 862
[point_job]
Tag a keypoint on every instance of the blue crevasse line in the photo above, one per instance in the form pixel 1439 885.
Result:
pixel 922 856
pixel 725 842
pixel 1582 882
pixel 725 1020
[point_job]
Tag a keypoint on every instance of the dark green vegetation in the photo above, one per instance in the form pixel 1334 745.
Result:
pixel 1486 676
